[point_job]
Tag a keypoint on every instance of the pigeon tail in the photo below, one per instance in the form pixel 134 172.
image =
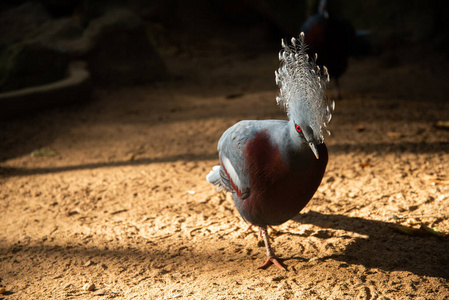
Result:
pixel 214 177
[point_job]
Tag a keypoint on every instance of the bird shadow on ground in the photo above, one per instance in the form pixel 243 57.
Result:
pixel 383 248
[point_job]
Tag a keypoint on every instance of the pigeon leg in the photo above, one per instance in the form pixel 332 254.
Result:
pixel 271 258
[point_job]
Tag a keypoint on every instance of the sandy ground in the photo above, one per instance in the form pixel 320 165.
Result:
pixel 114 193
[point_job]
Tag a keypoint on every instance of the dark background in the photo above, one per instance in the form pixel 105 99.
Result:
pixel 55 30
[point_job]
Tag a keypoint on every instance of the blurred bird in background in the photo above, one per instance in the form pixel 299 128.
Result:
pixel 332 38
pixel 273 167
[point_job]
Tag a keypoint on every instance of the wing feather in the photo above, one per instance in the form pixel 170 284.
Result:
pixel 231 149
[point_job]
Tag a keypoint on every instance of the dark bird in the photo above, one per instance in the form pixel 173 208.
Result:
pixel 332 38
pixel 273 167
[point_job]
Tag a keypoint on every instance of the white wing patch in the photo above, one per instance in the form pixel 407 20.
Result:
pixel 230 171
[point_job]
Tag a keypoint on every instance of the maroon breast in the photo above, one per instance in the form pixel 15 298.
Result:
pixel 279 189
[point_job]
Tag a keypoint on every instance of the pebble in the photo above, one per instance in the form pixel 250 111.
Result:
pixel 101 292
pixel 2 290
pixel 393 217
pixel 89 263
pixel 89 287
pixel 277 278
pixel 68 286
pixel 443 197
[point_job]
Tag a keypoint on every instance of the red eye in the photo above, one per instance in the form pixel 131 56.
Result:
pixel 298 128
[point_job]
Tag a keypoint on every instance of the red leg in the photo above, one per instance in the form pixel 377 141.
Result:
pixel 271 258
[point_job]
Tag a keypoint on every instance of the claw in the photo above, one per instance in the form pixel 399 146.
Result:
pixel 270 261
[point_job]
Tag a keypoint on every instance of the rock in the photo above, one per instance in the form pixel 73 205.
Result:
pixel 89 287
pixel 21 23
pixel 27 58
pixel 114 44
pixel 101 292
pixel 61 34
pixel 29 33
pixel 119 52
pixel 278 278
pixel 89 263
pixel 95 8
pixel 31 64
pixel 2 290
pixel 77 87
pixel 68 286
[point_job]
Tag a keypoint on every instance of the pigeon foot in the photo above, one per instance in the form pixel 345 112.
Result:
pixel 272 261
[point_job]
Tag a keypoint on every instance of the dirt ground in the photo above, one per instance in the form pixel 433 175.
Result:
pixel 113 192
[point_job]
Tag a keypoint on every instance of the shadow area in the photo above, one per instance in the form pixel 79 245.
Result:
pixel 8 172
pixel 384 248
pixel 436 147
pixel 399 147
pixel 39 259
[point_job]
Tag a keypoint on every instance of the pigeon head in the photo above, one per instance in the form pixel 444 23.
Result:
pixel 302 86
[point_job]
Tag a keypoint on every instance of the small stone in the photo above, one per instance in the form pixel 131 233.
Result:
pixel 130 157
pixel 413 207
pixel 89 263
pixel 89 287
pixel 443 197
pixel 394 134
pixel 331 179
pixel 393 217
pixel 101 292
pixel 68 286
pixel 2 290
pixel 277 278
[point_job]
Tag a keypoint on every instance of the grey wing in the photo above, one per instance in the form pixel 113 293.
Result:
pixel 231 149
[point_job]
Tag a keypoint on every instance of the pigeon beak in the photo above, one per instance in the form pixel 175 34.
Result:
pixel 314 149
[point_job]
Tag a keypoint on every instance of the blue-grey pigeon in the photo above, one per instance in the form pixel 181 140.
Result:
pixel 273 167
